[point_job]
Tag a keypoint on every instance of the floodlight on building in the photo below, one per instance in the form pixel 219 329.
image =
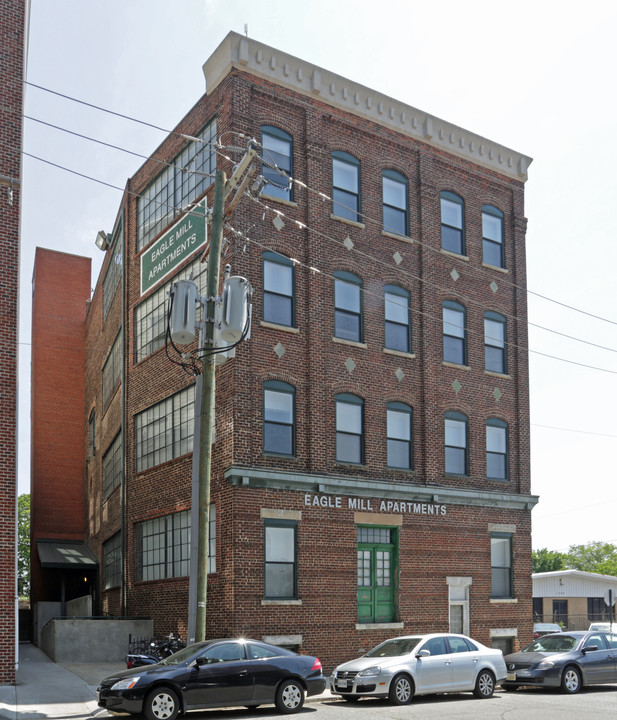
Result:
pixel 103 240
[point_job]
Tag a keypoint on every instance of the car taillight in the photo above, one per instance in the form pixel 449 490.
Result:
pixel 316 664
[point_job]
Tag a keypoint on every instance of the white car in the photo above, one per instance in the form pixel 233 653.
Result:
pixel 603 627
pixel 402 667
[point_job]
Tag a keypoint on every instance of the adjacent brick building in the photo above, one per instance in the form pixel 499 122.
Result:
pixel 371 462
pixel 12 56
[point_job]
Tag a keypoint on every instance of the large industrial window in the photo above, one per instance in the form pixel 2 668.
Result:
pixel 456 443
pixel 112 466
pixel 277 162
pixel 376 565
pixel 92 433
pixel 114 269
pixel 494 342
pixel 347 306
pixel 151 314
pixel 278 289
pixel 112 562
pixel 112 370
pixel 345 186
pixel 492 236
pixel 183 180
pixel 452 223
pixel 394 189
pixel 501 565
pixel 349 428
pixel 398 325
pixel 398 424
pixel 163 547
pixel 279 418
pixel 496 449
pixel 454 335
pixel 281 559
pixel 165 430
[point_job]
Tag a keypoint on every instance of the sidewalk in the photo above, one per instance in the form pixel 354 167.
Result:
pixel 45 689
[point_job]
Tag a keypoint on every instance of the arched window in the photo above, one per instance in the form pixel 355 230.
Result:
pixel 399 432
pixel 457 443
pixel 395 210
pixel 452 223
pixel 279 306
pixel 454 334
pixel 277 162
pixel 496 449
pixel 345 186
pixel 347 306
pixel 398 325
pixel 492 236
pixel 279 431
pixel 494 342
pixel 349 428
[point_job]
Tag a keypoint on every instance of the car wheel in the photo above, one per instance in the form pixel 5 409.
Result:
pixel 485 685
pixel 401 690
pixel 162 704
pixel 571 681
pixel 289 697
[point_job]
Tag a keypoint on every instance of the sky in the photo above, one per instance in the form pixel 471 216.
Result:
pixel 529 75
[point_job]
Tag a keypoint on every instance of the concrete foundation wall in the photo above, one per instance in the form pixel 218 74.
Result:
pixel 97 640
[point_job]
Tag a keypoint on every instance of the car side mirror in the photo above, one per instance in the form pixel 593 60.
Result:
pixel 590 648
pixel 423 653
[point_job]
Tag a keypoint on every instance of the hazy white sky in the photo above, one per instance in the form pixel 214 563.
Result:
pixel 530 75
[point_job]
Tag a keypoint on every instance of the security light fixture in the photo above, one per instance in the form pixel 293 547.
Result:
pixel 103 240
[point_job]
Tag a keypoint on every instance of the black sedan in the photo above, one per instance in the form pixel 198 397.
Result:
pixel 566 660
pixel 212 674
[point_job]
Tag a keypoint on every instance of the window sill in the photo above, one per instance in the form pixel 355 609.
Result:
pixel 353 223
pixel 445 363
pixel 380 626
pixel 506 601
pixel 395 236
pixel 505 271
pixel 281 602
pixel 272 198
pixel 275 326
pixel 451 254
pixel 399 353
pixel 492 373
pixel 351 343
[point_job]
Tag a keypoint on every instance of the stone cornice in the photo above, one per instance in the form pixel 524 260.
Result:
pixel 248 55
pixel 361 487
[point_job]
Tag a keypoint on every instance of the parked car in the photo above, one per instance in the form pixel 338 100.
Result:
pixel 566 660
pixel 603 627
pixel 402 667
pixel 540 629
pixel 215 673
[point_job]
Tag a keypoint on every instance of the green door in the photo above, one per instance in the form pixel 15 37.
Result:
pixel 375 579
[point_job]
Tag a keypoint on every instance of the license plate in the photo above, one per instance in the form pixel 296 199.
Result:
pixel 511 677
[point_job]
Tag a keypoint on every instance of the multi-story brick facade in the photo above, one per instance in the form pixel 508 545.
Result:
pixel 371 465
pixel 12 44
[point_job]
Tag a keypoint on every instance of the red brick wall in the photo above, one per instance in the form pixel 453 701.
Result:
pixel 11 99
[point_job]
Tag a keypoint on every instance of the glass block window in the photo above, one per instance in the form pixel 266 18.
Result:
pixel 456 443
pixel 112 370
pixel 151 313
pixel 347 306
pixel 454 335
pixel 501 565
pixel 277 149
pixel 395 215
pixel 345 186
pixel 278 289
pixel 398 323
pixel 279 418
pixel 182 181
pixel 452 223
pixel 349 428
pixel 114 269
pixel 112 466
pixel 281 559
pixel 165 430
pixel 492 236
pixel 398 424
pixel 496 449
pixel 163 547
pixel 494 342
pixel 112 562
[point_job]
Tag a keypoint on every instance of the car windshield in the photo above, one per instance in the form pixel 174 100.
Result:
pixel 394 648
pixel 184 654
pixel 552 643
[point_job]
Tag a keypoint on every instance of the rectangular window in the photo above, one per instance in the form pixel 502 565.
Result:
pixel 452 219
pixel 347 307
pixel 112 370
pixel 346 186
pixel 151 314
pixel 492 236
pixel 165 430
pixel 112 562
pixel 279 418
pixel 454 347
pixel 597 609
pixel 398 422
pixel 560 612
pixel 114 269
pixel 494 343
pixel 92 433
pixel 501 565
pixel 394 188
pixel 496 450
pixel 281 559
pixel 398 326
pixel 112 467
pixel 277 161
pixel 162 547
pixel 456 444
pixel 278 289
pixel 375 566
pixel 185 179
pixel 349 429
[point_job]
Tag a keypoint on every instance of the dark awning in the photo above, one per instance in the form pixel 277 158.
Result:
pixel 65 554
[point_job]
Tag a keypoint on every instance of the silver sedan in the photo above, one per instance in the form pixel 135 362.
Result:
pixel 412 665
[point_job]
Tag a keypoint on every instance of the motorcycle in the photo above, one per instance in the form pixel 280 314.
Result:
pixel 157 651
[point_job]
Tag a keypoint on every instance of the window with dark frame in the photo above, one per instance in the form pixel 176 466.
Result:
pixel 349 429
pixel 347 306
pixel 456 444
pixel 278 274
pixel 501 565
pixel 112 562
pixel 345 186
pixel 496 449
pixel 277 162
pixel 92 433
pixel 454 333
pixel 398 324
pixel 112 370
pixel 114 269
pixel 452 223
pixel 495 342
pixel 281 562
pixel 394 195
pixel 399 434
pixel 163 547
pixel 376 553
pixel 492 236
pixel 279 418
pixel 112 467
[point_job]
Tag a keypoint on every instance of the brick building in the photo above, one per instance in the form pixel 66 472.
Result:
pixel 370 468
pixel 13 14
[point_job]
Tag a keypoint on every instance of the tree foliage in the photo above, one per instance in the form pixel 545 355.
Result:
pixel 597 557
pixel 23 545
pixel 545 560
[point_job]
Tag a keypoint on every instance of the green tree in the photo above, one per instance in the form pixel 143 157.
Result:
pixel 547 560
pixel 596 557
pixel 23 545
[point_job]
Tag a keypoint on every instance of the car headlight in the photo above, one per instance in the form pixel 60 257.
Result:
pixel 375 670
pixel 545 664
pixel 125 684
